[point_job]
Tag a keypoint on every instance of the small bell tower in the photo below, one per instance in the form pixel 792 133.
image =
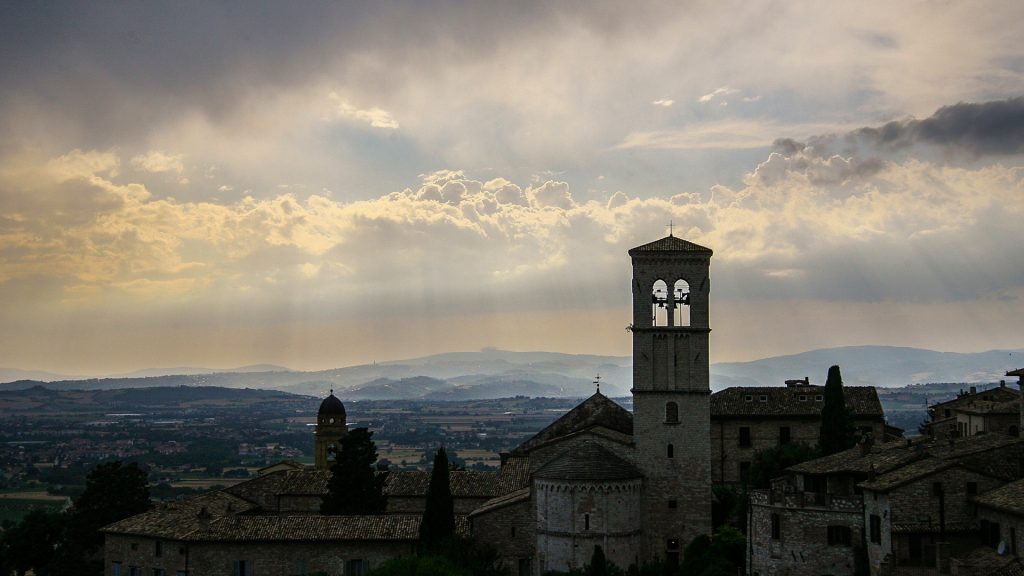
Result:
pixel 671 391
pixel 331 427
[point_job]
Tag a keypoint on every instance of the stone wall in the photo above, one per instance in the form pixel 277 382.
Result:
pixel 219 558
pixel 1011 528
pixel 802 547
pixel 573 517
pixel 511 531
pixel 727 455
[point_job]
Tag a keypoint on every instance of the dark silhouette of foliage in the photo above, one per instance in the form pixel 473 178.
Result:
pixel 354 487
pixel 29 545
pixel 113 491
pixel 419 566
pixel 439 515
pixel 770 463
pixel 598 565
pixel 837 430
pixel 718 556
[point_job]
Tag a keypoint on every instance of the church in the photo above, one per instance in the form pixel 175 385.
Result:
pixel 637 484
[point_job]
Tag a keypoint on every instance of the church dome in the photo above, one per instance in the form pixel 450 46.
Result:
pixel 332 411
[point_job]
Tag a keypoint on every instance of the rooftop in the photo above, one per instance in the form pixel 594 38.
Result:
pixel 671 244
pixel 588 462
pixel 597 410
pixel 1009 498
pixel 791 401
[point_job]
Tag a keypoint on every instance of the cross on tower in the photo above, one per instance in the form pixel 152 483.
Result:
pixel 671 228
pixel 597 380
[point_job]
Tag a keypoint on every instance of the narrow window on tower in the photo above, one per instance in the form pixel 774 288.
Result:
pixel 671 451
pixel 586 521
pixel 659 304
pixel 671 413
pixel 681 303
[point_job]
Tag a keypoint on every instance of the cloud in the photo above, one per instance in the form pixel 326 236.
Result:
pixel 156 161
pixel 375 117
pixel 664 102
pixel 718 93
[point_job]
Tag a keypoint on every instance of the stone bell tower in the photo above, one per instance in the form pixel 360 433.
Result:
pixel 671 391
pixel 331 427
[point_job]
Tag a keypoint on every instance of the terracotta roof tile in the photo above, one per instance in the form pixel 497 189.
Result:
pixel 597 410
pixel 670 244
pixel 791 401
pixel 590 462
pixel 1009 497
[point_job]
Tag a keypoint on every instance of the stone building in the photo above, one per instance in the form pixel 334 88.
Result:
pixel 638 485
pixel 747 420
pixel 905 507
pixel 972 412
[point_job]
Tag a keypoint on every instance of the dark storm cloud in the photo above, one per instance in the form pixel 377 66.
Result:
pixel 994 128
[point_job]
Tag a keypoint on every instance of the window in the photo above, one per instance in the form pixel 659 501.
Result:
pixel 242 568
pixel 159 572
pixel 158 548
pixel 671 451
pixel 744 471
pixel 513 531
pixel 182 572
pixel 115 569
pixel 681 298
pixel 763 398
pixel 839 536
pixel 671 413
pixel 748 398
pixel 802 397
pixel 659 301
pixel 990 533
pixel 818 397
pixel 972 488
pixel 776 527
pixel 673 504
pixel 525 567
pixel 784 437
pixel 134 571
pixel 876 529
pixel 946 412
pixel 936 488
pixel 586 521
pixel 355 568
pixel 744 437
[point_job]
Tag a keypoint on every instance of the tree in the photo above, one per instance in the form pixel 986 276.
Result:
pixel 439 515
pixel 837 430
pixel 598 564
pixel 770 463
pixel 354 487
pixel 30 544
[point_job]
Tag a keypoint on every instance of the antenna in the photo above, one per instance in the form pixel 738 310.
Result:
pixel 597 380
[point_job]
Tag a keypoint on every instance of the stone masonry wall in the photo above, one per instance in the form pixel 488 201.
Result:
pixel 802 547
pixel 510 530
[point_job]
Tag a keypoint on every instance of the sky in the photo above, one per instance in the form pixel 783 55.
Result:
pixel 228 183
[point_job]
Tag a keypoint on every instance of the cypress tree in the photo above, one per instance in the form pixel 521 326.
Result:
pixel 439 515
pixel 837 429
pixel 354 487
pixel 598 564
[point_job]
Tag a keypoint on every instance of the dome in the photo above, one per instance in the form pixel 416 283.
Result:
pixel 332 408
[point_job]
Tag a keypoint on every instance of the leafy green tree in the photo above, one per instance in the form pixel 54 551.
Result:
pixel 770 463
pixel 721 555
pixel 837 430
pixel 420 566
pixel 598 564
pixel 439 515
pixel 29 545
pixel 354 488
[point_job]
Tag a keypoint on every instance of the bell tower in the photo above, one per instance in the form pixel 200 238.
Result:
pixel 671 391
pixel 331 427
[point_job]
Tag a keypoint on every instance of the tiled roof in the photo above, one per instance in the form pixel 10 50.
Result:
pixel 908 473
pixel 464 483
pixel 589 462
pixel 985 559
pixel 1017 372
pixel 179 520
pixel 1009 497
pixel 881 458
pixel 791 401
pixel 670 244
pixel 996 394
pixel 597 410
pixel 521 495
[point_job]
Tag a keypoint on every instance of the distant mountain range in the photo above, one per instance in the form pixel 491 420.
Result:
pixel 492 373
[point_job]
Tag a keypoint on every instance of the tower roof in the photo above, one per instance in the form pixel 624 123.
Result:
pixel 331 405
pixel 597 410
pixel 670 244
pixel 591 461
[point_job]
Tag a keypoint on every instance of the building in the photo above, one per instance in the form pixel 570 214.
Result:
pixel 639 484
pixel 747 420
pixel 972 412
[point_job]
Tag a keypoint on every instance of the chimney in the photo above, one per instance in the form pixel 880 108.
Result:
pixel 1002 383
pixel 504 456
pixel 974 389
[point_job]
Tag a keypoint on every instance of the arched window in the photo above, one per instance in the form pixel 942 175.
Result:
pixel 671 451
pixel 671 413
pixel 659 304
pixel 681 298
pixel 1014 431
